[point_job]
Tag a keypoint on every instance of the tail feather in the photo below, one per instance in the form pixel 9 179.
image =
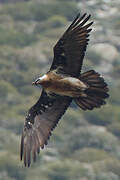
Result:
pixel 95 94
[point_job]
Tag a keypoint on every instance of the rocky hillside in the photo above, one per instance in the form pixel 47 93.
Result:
pixel 85 145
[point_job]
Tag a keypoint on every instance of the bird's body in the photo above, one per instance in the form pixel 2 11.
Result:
pixel 63 84
pixel 59 84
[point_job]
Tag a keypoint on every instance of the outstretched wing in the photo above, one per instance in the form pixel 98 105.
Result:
pixel 70 49
pixel 40 121
pixel 45 114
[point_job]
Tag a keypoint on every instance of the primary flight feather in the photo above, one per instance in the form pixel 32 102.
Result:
pixel 62 84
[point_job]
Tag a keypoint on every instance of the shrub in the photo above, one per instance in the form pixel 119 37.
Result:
pixel 107 176
pixel 110 165
pixel 89 155
pixel 66 169
pixel 19 11
pixel 92 137
pixel 52 22
pixel 114 128
pixel 94 57
pixel 9 164
pixel 14 38
pixel 7 92
pixel 44 11
pixel 98 117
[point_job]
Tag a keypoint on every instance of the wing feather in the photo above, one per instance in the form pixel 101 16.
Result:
pixel 70 49
pixel 43 117
pixel 38 126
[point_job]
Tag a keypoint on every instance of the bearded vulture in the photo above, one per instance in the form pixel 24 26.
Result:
pixel 61 85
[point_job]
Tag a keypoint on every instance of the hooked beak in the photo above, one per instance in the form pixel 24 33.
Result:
pixel 39 80
pixel 36 82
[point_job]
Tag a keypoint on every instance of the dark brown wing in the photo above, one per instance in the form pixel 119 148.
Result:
pixel 45 114
pixel 40 121
pixel 70 49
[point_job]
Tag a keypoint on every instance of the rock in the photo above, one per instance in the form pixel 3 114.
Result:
pixel 107 51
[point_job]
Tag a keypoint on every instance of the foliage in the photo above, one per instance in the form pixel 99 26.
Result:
pixel 85 145
pixel 94 57
pixel 14 38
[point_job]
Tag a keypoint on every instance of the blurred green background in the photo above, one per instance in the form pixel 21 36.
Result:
pixel 85 145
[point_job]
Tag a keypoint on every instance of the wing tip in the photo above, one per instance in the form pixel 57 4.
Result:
pixel 38 150
pixel 27 156
pixel 91 23
pixel 34 156
pixel 21 147
pixel 85 14
pixel 89 16
pixel 80 21
pixel 82 17
pixel 78 15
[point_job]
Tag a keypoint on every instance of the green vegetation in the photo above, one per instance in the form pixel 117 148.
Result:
pixel 85 145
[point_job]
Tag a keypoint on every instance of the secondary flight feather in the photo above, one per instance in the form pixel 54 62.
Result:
pixel 63 84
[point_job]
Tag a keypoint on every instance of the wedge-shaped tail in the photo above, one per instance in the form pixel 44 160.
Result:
pixel 96 93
